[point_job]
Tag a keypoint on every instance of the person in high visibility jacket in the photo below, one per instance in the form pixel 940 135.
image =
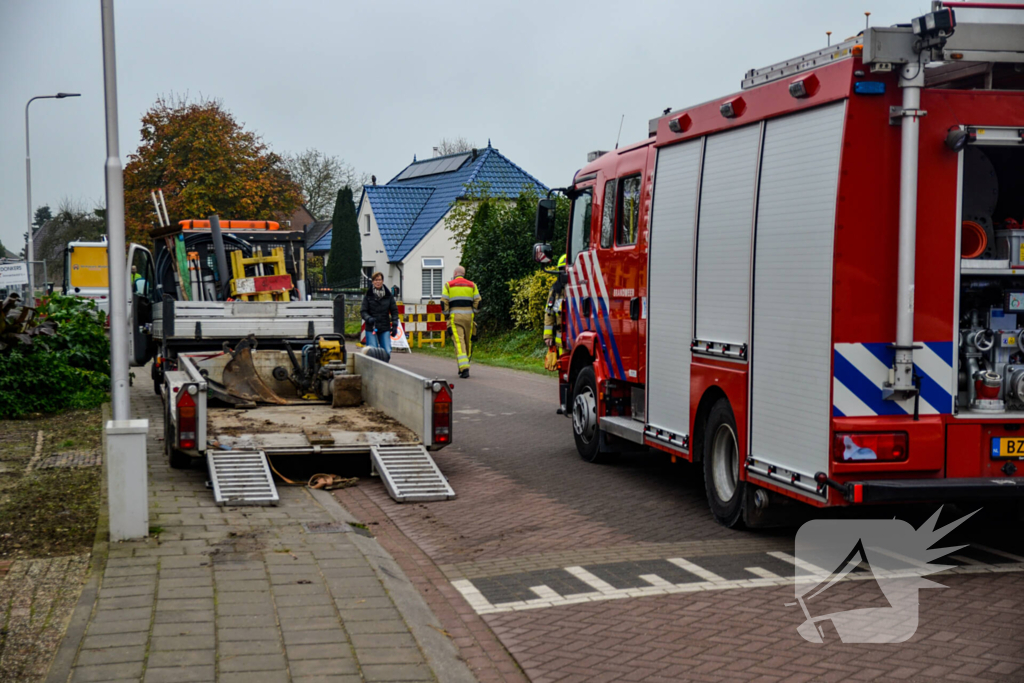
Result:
pixel 460 301
pixel 553 312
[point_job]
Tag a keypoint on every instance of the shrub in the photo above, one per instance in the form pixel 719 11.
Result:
pixel 496 235
pixel 46 382
pixel 61 363
pixel 529 297
pixel 79 334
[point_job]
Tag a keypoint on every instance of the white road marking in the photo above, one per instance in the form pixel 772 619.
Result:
pixel 594 582
pixel 545 593
pixel 762 573
pixel 696 570
pixel 1000 553
pixel 547 597
pixel 656 581
pixel 813 569
pixel 902 558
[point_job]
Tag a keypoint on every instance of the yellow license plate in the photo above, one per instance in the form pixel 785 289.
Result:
pixel 1008 447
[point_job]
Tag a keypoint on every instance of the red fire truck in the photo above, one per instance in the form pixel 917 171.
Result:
pixel 815 286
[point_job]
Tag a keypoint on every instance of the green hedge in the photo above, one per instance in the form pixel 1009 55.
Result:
pixel 66 369
pixel 42 382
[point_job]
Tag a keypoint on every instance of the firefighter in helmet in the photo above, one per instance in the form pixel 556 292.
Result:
pixel 461 300
pixel 553 312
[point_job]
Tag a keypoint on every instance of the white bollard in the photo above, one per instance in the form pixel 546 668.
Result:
pixel 127 480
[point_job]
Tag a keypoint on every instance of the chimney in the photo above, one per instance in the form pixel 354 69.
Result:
pixel 437 152
pixel 373 180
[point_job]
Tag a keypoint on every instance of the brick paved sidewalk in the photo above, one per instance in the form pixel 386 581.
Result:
pixel 250 594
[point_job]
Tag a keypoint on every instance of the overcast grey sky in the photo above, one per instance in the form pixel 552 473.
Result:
pixel 376 82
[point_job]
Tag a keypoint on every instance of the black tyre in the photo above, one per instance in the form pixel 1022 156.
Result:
pixel 378 353
pixel 722 466
pixel 589 443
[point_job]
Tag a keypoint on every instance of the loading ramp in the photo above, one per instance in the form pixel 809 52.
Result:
pixel 241 478
pixel 409 473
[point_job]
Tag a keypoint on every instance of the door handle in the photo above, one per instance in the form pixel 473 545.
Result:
pixel 634 308
pixel 587 305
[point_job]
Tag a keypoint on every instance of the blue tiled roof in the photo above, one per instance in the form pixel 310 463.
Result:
pixel 406 210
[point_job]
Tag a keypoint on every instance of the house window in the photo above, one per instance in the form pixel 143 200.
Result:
pixel 366 227
pixel 367 277
pixel 629 210
pixel 433 278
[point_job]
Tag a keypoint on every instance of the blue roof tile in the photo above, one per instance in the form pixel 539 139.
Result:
pixel 406 210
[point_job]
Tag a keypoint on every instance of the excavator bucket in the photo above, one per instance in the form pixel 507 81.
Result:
pixel 241 380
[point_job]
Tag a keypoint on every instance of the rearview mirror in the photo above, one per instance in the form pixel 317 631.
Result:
pixel 545 229
pixel 542 253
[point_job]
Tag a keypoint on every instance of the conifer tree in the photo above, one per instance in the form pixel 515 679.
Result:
pixel 345 261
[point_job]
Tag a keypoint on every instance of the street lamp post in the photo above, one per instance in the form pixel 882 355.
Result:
pixel 28 188
pixel 127 483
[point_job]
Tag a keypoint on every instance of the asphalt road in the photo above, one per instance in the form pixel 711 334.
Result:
pixel 506 420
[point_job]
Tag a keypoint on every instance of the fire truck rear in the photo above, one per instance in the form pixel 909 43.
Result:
pixel 815 286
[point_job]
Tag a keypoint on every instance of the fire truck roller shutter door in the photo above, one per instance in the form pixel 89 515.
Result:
pixel 670 289
pixel 790 368
pixel 723 235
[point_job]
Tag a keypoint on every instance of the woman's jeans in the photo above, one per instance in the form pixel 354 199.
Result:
pixel 380 339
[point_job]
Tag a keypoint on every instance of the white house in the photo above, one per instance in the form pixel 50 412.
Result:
pixel 402 224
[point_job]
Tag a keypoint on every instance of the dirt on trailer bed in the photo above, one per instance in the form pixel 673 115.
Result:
pixel 241 428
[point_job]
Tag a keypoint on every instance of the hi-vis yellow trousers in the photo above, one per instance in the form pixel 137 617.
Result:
pixel 462 335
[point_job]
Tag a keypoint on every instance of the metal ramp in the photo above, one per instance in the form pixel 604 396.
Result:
pixel 409 473
pixel 241 478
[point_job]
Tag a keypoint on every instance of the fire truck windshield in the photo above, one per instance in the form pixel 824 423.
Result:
pixel 579 226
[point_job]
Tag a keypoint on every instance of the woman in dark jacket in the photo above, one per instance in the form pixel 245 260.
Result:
pixel 380 313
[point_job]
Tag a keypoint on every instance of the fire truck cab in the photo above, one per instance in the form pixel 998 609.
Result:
pixel 813 286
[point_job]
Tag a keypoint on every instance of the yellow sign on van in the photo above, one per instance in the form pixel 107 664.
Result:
pixel 88 267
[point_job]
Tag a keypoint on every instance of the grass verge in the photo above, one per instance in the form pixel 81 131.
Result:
pixel 48 512
pixel 516 349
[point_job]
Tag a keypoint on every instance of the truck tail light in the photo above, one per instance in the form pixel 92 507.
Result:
pixel 442 413
pixel 869 447
pixel 186 420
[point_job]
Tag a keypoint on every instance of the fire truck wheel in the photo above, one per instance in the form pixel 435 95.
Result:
pixel 722 465
pixel 584 417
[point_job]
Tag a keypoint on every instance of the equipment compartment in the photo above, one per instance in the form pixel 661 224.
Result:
pixel 991 290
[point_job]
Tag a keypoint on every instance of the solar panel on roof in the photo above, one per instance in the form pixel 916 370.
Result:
pixel 433 167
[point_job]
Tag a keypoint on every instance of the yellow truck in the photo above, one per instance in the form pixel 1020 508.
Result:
pixel 85 272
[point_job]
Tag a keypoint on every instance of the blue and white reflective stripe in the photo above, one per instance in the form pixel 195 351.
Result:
pixel 590 262
pixel 577 292
pixel 588 278
pixel 595 268
pixel 861 370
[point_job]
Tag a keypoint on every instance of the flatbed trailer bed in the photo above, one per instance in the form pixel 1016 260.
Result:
pixel 402 413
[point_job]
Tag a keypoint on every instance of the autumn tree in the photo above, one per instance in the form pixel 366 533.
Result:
pixel 205 162
pixel 345 261
pixel 321 176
